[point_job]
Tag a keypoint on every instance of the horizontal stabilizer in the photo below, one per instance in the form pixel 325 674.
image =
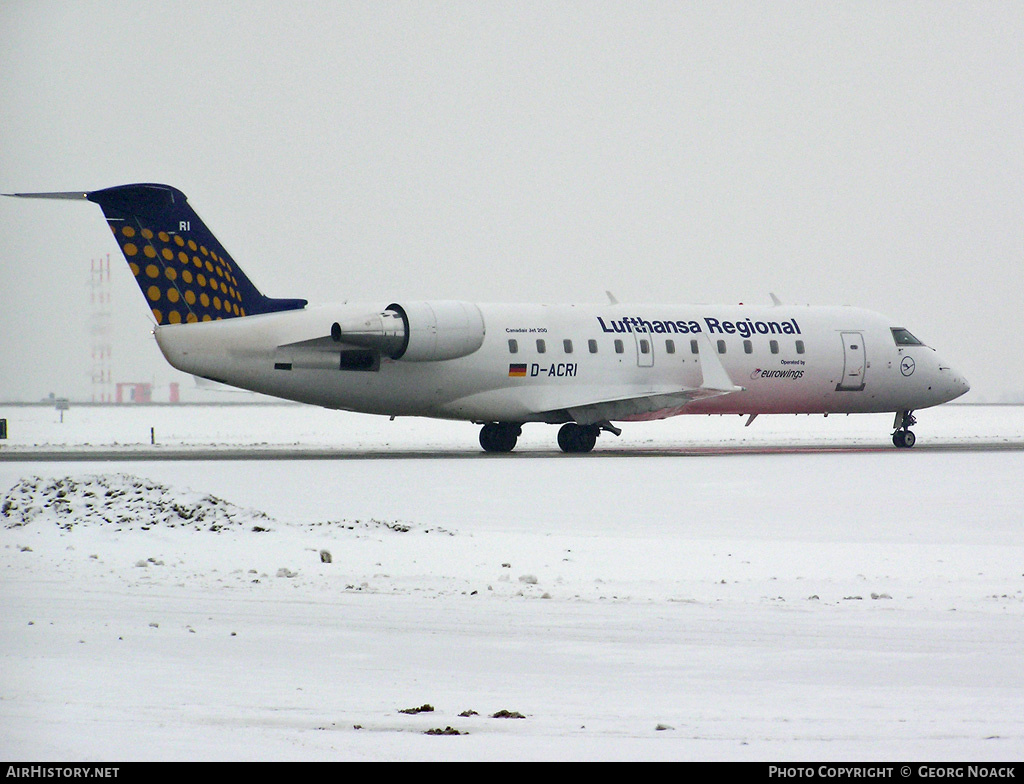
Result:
pixel 74 195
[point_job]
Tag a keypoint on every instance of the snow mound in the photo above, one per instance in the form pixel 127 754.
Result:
pixel 128 502
pixel 124 501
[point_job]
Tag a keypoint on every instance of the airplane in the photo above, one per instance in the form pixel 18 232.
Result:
pixel 583 367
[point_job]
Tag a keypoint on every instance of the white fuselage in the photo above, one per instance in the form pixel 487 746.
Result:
pixel 536 361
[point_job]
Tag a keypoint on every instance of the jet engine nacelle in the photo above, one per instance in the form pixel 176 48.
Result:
pixel 417 331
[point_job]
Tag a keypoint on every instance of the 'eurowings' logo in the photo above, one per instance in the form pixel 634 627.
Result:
pixel 790 374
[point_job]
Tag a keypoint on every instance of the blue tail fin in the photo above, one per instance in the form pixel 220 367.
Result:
pixel 183 271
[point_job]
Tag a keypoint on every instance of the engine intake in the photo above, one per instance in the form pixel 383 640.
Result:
pixel 417 331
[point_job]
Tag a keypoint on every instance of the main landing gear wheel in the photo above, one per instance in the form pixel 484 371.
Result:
pixel 577 438
pixel 903 438
pixel 499 436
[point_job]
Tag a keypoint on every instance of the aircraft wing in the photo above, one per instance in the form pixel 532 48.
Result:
pixel 657 403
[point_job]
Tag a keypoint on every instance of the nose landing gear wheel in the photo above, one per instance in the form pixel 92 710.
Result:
pixel 903 438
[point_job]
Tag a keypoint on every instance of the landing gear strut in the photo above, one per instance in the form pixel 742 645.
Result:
pixel 902 437
pixel 500 436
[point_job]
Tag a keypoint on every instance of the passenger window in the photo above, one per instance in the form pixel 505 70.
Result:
pixel 618 346
pixel 721 347
pixel 645 346
pixel 541 346
pixel 774 345
pixel 799 347
pixel 513 346
pixel 567 346
pixel 748 347
pixel 670 347
pixel 694 348
pixel 592 345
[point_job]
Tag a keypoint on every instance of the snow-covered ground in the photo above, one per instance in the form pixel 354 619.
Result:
pixel 289 425
pixel 852 605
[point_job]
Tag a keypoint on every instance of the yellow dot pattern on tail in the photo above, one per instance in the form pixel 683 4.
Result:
pixel 183 281
pixel 183 271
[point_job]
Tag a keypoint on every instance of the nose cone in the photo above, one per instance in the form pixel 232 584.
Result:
pixel 954 382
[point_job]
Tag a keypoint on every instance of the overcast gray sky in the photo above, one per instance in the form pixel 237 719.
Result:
pixel 865 153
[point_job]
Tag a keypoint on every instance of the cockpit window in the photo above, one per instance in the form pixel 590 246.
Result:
pixel 904 338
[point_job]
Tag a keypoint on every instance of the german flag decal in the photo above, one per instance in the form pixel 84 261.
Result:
pixel 517 371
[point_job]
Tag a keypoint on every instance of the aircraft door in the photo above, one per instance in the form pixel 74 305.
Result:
pixel 644 349
pixel 854 363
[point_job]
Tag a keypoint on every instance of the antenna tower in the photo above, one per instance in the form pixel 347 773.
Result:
pixel 100 327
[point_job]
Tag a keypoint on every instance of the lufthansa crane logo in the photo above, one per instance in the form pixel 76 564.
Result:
pixel 907 366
